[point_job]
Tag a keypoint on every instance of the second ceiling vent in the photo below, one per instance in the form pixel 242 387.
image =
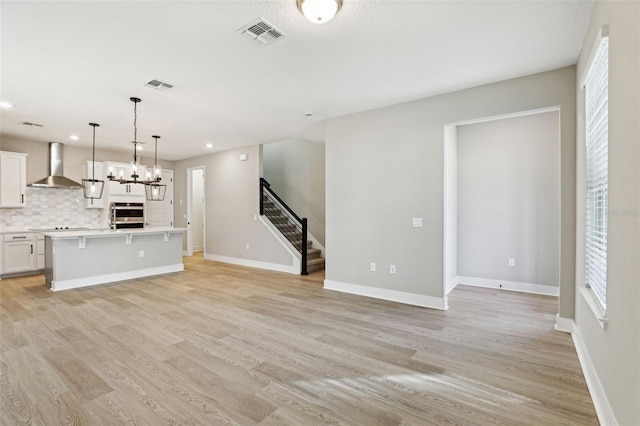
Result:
pixel 262 32
pixel 160 85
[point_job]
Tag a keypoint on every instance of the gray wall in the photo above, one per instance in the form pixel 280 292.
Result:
pixel 615 352
pixel 451 206
pixel 296 171
pixel 197 214
pixel 232 201
pixel 74 157
pixel 509 199
pixel 386 166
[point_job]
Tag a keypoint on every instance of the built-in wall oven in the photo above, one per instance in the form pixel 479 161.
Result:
pixel 126 215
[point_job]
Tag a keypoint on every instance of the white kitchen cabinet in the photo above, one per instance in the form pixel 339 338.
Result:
pixel 19 253
pixel 123 170
pixel 13 179
pixel 40 252
pixel 96 203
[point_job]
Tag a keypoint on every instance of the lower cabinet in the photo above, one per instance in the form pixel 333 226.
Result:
pixel 22 254
pixel 40 252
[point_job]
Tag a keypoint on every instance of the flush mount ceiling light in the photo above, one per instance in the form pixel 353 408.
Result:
pixel 319 11
pixel 152 184
pixel 92 188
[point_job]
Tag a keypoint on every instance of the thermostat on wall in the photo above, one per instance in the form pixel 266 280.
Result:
pixel 244 157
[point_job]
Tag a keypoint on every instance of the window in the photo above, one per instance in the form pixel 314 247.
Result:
pixel 597 138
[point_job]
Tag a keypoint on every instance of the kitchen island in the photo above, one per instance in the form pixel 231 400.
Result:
pixel 76 259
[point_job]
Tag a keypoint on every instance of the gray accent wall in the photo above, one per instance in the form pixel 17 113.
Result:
pixel 386 166
pixel 614 352
pixel 509 199
pixel 231 191
pixel 296 171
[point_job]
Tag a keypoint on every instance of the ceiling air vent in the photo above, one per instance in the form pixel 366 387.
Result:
pixel 262 32
pixel 28 123
pixel 160 85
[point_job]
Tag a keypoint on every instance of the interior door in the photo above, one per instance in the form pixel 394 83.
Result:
pixel 195 210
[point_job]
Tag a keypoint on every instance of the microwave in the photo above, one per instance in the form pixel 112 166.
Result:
pixel 126 215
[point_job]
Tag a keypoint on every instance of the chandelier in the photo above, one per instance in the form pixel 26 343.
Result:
pixel 154 191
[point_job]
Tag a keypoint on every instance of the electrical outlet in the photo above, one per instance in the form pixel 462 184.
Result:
pixel 392 269
pixel 141 253
pixel 372 267
pixel 247 246
pixel 512 262
pixel 417 222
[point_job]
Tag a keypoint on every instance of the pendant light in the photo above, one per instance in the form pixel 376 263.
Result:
pixel 154 191
pixel 134 164
pixel 92 188
pixel 319 11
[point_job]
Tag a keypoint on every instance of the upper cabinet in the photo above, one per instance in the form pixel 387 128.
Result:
pixel 13 179
pixel 124 171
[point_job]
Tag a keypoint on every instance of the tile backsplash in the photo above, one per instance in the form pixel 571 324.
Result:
pixel 51 207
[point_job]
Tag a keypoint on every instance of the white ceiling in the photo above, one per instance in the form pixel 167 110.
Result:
pixel 65 64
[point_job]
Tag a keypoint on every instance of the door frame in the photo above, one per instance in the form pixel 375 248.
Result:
pixel 190 171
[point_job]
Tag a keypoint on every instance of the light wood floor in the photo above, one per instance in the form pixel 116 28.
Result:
pixel 220 344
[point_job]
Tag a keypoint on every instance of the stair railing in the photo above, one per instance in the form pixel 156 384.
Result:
pixel 300 223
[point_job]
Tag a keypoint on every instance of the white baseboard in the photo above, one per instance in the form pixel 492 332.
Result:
pixel 118 276
pixel 453 283
pixel 510 285
pixel 563 324
pixel 291 269
pixel 598 396
pixel 386 294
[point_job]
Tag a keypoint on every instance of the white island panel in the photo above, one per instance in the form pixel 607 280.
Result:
pixel 85 258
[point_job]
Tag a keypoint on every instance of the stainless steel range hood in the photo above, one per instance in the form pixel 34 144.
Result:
pixel 56 167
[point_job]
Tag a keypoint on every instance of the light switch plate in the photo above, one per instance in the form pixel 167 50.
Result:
pixel 417 222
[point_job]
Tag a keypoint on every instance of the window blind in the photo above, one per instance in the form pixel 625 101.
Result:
pixel 597 137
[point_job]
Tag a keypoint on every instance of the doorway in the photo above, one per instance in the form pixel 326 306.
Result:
pixel 196 218
pixel 502 202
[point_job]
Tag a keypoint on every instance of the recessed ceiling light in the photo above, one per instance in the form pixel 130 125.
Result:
pixel 74 137
pixel 209 145
pixel 6 105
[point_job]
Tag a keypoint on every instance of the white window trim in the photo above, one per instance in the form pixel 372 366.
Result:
pixel 595 305
pixel 604 32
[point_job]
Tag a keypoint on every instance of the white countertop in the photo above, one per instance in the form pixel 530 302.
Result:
pixel 109 233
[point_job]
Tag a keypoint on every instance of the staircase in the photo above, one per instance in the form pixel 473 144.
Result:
pixel 293 228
